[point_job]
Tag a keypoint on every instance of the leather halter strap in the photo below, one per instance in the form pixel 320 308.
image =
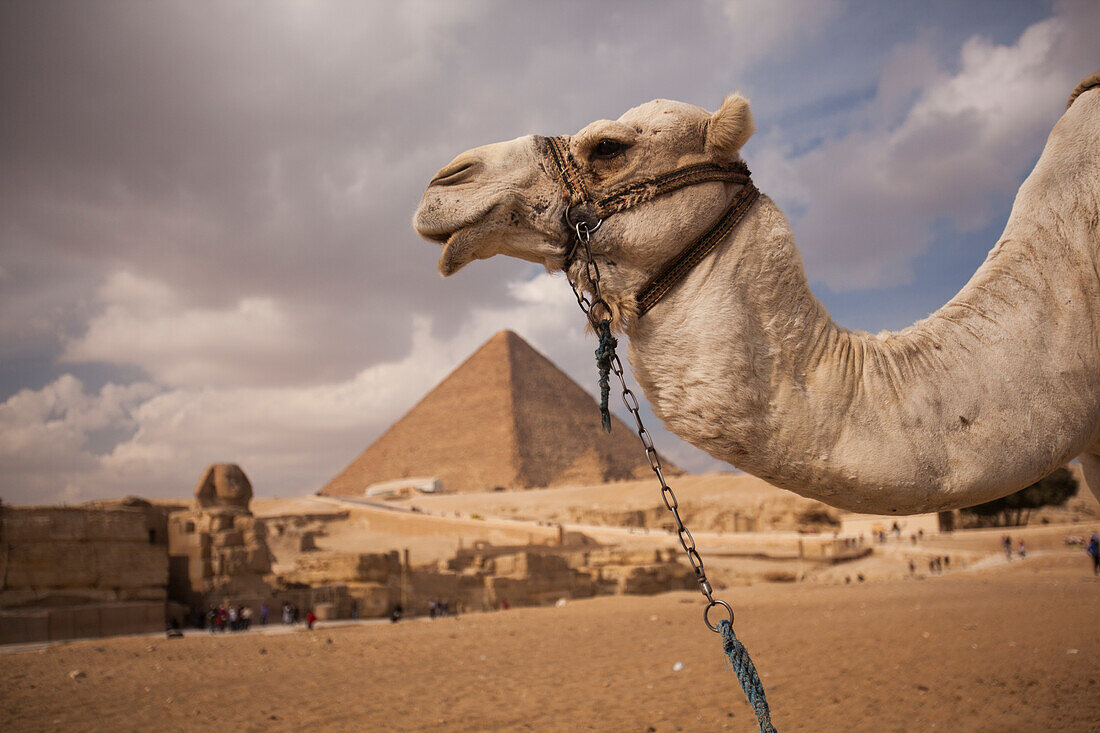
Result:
pixel 582 208
pixel 659 286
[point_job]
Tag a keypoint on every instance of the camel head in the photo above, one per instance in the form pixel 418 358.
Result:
pixel 507 198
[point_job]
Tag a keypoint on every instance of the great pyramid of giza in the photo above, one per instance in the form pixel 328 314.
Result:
pixel 506 417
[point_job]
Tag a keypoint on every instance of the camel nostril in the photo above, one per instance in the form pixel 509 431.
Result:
pixel 456 172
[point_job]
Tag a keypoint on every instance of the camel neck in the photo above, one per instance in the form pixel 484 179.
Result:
pixel 744 362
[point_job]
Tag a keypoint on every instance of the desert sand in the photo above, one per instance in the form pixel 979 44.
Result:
pixel 1010 647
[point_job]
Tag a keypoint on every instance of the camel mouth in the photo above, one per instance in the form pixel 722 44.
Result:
pixel 459 250
pixel 438 237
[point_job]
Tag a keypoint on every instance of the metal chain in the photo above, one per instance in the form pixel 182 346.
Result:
pixel 584 235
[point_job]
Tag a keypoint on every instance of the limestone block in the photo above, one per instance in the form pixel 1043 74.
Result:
pixel 42 524
pixel 230 561
pixel 129 564
pixel 17 597
pixel 24 627
pixel 374 600
pixel 85 621
pixel 200 569
pixel 117 526
pixel 56 596
pixel 259 559
pixel 60 564
pixel 219 523
pixel 131 618
pixel 148 593
pixel 227 539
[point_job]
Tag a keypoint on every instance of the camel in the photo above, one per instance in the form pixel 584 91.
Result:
pixel 990 393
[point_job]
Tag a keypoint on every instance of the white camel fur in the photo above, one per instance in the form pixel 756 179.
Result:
pixel 993 391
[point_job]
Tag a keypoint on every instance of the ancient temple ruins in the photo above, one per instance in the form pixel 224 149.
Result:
pixel 505 418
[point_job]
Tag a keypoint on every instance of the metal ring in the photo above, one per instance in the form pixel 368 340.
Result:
pixel 588 226
pixel 706 614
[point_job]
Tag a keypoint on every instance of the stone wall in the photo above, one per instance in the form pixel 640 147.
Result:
pixel 80 622
pixel 53 556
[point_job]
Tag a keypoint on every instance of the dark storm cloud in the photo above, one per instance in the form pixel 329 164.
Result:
pixel 237 150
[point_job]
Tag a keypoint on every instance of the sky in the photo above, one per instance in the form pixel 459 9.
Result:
pixel 205 243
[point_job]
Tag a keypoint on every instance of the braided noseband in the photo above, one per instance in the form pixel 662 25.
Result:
pixel 583 209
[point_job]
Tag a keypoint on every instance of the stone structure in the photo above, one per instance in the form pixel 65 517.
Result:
pixel 218 550
pixel 506 417
pixel 70 572
pixel 481 578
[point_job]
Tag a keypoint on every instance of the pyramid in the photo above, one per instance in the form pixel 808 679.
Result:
pixel 506 417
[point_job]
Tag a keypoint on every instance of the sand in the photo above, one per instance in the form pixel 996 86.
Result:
pixel 1014 647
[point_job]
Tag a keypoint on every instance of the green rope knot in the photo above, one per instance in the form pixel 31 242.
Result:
pixel 604 351
pixel 746 675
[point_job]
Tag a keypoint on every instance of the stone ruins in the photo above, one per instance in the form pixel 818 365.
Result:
pixel 82 571
pixel 217 548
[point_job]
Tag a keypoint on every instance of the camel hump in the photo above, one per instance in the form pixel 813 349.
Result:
pixel 1093 80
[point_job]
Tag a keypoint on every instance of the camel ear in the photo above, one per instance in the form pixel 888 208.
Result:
pixel 729 128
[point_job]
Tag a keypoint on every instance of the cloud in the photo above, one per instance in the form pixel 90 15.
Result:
pixel 47 436
pixel 760 30
pixel 867 203
pixel 144 323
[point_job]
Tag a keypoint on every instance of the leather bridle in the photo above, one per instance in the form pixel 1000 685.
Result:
pixel 584 213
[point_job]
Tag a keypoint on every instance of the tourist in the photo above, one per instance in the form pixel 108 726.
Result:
pixel 310 618
pixel 288 618
pixel 1022 550
pixel 246 617
pixel 395 615
pixel 233 618
pixel 1093 550
pixel 212 618
pixel 264 611
pixel 1007 542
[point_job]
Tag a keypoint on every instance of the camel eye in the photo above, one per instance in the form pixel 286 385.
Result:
pixel 608 149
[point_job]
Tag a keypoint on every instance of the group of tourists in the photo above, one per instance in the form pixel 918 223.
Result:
pixel 238 617
pixel 229 618
pixel 1006 543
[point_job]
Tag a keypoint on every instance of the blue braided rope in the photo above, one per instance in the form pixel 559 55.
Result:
pixel 746 675
pixel 604 351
